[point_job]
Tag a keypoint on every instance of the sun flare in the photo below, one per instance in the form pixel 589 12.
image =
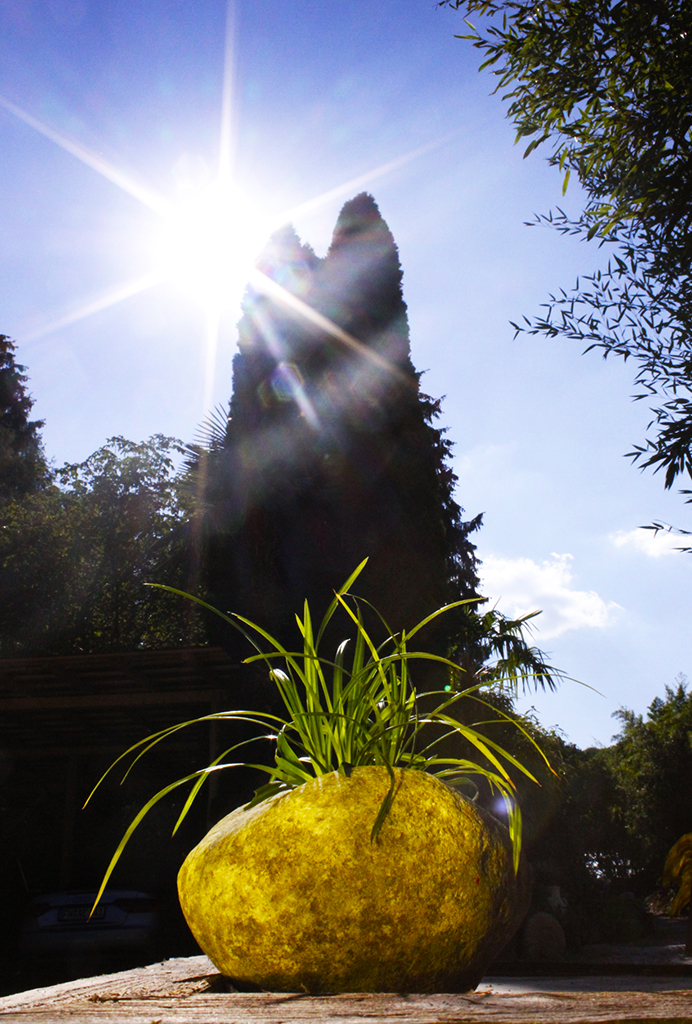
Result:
pixel 208 241
pixel 208 244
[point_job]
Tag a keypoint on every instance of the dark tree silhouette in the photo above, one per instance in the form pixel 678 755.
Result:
pixel 329 454
pixel 22 462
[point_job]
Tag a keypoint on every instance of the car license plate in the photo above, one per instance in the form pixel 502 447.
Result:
pixel 81 914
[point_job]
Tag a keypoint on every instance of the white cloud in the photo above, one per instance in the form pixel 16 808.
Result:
pixel 520 585
pixel 649 542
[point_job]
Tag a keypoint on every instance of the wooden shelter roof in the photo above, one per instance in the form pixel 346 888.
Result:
pixel 57 705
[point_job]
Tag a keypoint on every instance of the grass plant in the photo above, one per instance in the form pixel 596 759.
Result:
pixel 359 708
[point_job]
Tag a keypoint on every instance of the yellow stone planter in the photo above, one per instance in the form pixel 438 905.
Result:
pixel 293 896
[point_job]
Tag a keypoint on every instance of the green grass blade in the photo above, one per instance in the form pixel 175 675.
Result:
pixel 385 806
pixel 335 603
pixel 133 825
pixel 122 756
pixel 436 614
pixel 192 796
pixel 267 792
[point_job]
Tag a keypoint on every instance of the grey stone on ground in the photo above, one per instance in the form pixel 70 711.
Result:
pixel 543 938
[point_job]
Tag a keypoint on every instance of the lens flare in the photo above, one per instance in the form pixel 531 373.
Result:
pixel 286 383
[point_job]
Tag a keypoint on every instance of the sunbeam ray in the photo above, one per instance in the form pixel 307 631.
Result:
pixel 97 163
pixel 265 284
pixel 110 298
pixel 354 184
pixel 213 318
pixel 226 146
pixel 225 176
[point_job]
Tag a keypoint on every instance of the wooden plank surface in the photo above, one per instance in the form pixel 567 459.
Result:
pixel 190 990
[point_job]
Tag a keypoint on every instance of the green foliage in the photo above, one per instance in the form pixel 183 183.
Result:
pixel 610 815
pixel 23 468
pixel 74 556
pixel 607 84
pixel 652 765
pixel 588 835
pixel 358 708
pixel 78 542
pixel 494 651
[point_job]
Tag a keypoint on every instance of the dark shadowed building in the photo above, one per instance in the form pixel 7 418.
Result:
pixel 63 720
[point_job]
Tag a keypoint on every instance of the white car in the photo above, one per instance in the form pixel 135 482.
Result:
pixel 60 922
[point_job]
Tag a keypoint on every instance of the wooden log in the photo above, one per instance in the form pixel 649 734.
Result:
pixel 190 991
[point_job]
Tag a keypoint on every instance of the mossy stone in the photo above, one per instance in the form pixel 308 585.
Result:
pixel 293 896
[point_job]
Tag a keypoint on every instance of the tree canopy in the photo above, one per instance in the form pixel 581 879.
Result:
pixel 653 765
pixel 74 556
pixel 607 86
pixel 625 805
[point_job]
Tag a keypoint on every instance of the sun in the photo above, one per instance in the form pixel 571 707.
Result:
pixel 208 242
pixel 208 239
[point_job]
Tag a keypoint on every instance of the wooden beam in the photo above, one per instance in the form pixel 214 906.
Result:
pixel 110 751
pixel 190 991
pixel 108 700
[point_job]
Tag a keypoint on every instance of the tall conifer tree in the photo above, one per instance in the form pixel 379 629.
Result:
pixel 22 462
pixel 330 454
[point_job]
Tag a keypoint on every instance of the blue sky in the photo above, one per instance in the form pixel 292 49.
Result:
pixel 323 95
